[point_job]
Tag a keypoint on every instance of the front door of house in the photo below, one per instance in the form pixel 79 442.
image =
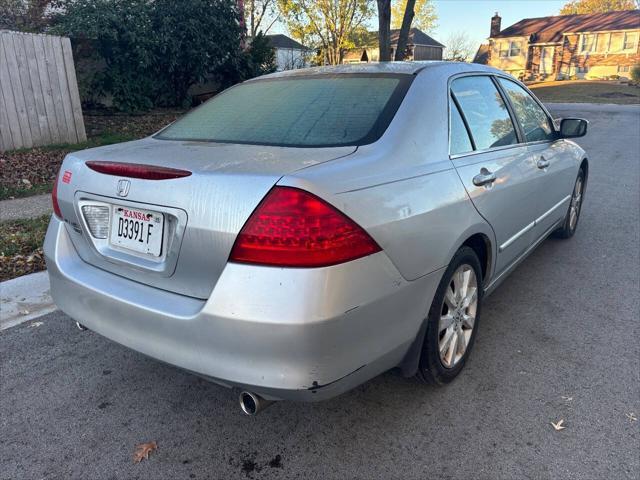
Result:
pixel 546 60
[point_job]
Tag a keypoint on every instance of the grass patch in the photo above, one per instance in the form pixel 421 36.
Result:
pixel 20 192
pixel 585 91
pixel 21 247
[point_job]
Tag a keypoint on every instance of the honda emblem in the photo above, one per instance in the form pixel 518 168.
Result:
pixel 123 187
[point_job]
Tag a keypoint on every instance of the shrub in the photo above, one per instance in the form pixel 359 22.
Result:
pixel 635 73
pixel 153 51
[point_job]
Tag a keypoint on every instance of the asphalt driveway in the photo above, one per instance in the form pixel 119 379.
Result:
pixel 558 340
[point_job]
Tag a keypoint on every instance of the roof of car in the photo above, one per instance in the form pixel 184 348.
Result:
pixel 406 68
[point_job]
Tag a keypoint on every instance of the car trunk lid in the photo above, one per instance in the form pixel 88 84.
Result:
pixel 199 215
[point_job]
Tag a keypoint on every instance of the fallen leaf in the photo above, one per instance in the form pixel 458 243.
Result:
pixel 35 324
pixel 558 426
pixel 632 416
pixel 566 398
pixel 143 450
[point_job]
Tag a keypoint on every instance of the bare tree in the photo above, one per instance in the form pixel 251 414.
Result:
pixel 260 15
pixel 459 47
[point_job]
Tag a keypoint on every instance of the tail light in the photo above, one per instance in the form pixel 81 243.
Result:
pixel 54 198
pixel 136 170
pixel 294 228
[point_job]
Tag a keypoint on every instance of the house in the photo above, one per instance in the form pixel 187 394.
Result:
pixel 289 53
pixel 420 46
pixel 591 46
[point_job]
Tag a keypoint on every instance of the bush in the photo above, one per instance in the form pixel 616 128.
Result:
pixel 154 51
pixel 635 73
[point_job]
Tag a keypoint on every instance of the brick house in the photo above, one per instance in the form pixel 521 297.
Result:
pixel 591 46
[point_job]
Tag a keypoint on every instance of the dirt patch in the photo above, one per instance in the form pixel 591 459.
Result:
pixel 32 171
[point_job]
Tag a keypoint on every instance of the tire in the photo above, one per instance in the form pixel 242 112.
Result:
pixel 434 368
pixel 568 228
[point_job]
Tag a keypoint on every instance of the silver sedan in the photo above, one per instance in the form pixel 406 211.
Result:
pixel 305 231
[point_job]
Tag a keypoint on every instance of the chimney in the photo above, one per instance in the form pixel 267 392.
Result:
pixel 495 25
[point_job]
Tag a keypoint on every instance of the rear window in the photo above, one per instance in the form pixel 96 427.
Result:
pixel 309 111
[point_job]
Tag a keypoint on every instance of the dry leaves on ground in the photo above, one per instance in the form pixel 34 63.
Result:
pixel 558 425
pixel 143 450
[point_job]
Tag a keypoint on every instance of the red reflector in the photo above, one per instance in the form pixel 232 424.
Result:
pixel 54 198
pixel 136 170
pixel 66 178
pixel 294 228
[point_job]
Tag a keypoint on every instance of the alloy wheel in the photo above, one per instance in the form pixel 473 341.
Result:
pixel 458 315
pixel 576 200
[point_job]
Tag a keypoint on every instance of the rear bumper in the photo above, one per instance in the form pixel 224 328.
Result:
pixel 296 334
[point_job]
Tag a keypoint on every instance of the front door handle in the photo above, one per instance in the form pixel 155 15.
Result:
pixel 543 163
pixel 485 177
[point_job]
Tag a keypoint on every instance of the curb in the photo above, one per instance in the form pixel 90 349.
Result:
pixel 25 298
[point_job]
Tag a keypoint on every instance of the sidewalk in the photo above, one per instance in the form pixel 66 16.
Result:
pixel 24 298
pixel 28 207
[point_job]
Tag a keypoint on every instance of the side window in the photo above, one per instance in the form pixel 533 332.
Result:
pixel 459 141
pixel 485 111
pixel 532 118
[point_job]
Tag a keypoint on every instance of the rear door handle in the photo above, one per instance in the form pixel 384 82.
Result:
pixel 485 177
pixel 543 163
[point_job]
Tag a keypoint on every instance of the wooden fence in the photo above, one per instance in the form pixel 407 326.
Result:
pixel 39 100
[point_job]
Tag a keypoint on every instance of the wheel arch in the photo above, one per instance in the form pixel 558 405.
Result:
pixel 480 241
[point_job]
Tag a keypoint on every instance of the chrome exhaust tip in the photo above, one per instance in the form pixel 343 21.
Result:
pixel 81 326
pixel 252 404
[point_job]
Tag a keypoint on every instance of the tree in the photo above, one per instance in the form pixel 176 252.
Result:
pixel 425 14
pixel 154 51
pixel 260 15
pixel 460 48
pixel 327 23
pixel 597 6
pixel 26 15
pixel 403 35
pixel 384 30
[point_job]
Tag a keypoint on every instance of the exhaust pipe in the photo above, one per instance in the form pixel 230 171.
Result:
pixel 252 404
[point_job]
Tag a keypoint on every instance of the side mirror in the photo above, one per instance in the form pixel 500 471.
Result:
pixel 573 127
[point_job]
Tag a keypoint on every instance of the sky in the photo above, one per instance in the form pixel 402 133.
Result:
pixel 474 16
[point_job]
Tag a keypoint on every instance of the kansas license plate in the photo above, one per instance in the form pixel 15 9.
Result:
pixel 137 230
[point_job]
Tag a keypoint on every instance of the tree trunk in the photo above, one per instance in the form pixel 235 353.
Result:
pixel 403 37
pixel 384 30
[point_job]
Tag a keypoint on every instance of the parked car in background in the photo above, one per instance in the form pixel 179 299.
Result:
pixel 305 231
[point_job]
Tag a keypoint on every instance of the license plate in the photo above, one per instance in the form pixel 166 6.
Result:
pixel 137 230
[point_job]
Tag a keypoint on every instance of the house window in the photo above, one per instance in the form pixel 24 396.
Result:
pixel 623 69
pixel 584 69
pixel 617 42
pixel 587 43
pixel 630 40
pixel 602 42
pixel 510 49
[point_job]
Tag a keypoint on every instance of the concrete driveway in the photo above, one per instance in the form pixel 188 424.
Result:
pixel 558 340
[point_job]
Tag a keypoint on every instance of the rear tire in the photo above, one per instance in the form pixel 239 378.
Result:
pixel 453 320
pixel 568 228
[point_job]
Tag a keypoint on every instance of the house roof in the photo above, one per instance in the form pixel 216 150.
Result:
pixel 551 29
pixel 282 41
pixel 416 37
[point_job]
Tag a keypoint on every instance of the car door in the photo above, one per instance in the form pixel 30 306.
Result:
pixel 556 169
pixel 494 165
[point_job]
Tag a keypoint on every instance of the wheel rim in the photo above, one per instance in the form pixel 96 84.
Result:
pixel 457 316
pixel 576 201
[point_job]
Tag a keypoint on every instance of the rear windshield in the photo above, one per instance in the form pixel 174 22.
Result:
pixel 308 111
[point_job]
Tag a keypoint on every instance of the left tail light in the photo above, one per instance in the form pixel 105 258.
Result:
pixel 294 228
pixel 54 198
